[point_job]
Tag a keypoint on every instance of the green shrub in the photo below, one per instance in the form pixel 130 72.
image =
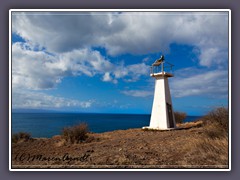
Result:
pixel 76 134
pixel 179 116
pixel 21 136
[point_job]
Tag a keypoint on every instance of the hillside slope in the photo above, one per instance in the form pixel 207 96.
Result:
pixel 190 147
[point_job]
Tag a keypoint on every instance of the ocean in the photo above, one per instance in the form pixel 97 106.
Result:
pixel 50 124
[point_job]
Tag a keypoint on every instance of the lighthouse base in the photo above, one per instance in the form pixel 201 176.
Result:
pixel 158 129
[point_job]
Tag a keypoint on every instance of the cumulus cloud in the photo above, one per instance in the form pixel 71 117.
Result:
pixel 29 68
pixel 31 100
pixel 61 32
pixel 108 78
pixel 35 69
pixel 213 55
pixel 211 84
pixel 193 82
pixel 131 72
pixel 137 93
pixel 127 32
pixel 61 45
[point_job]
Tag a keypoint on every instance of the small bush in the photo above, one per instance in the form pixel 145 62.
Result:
pixel 75 134
pixel 218 117
pixel 15 138
pixel 21 136
pixel 216 123
pixel 179 116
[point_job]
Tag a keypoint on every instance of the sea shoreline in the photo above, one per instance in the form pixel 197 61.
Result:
pixel 50 124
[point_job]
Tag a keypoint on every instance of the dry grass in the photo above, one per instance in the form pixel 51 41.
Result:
pixel 189 125
pixel 206 151
pixel 212 147
pixel 212 131
pixel 58 141
pixel 135 148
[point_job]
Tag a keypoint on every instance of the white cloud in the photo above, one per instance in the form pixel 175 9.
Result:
pixel 29 68
pixel 58 46
pixel 191 82
pixel 60 33
pixel 131 72
pixel 31 100
pixel 128 32
pixel 39 70
pixel 211 84
pixel 137 93
pixel 213 55
pixel 107 78
pixel 196 82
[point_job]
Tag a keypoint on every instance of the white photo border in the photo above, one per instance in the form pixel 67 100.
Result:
pixel 118 10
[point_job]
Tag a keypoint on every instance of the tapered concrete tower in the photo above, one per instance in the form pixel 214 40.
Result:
pixel 162 117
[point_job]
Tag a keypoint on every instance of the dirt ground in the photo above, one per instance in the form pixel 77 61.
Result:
pixel 132 148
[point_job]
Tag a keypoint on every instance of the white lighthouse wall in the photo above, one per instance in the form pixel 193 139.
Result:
pixel 169 101
pixel 159 116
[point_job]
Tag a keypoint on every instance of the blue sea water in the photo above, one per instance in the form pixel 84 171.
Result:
pixel 50 124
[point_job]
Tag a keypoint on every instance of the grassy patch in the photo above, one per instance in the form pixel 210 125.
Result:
pixel 206 151
pixel 189 125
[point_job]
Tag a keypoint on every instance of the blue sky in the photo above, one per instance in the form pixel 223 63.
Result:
pixel 99 61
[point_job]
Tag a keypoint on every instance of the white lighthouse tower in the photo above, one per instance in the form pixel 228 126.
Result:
pixel 162 117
